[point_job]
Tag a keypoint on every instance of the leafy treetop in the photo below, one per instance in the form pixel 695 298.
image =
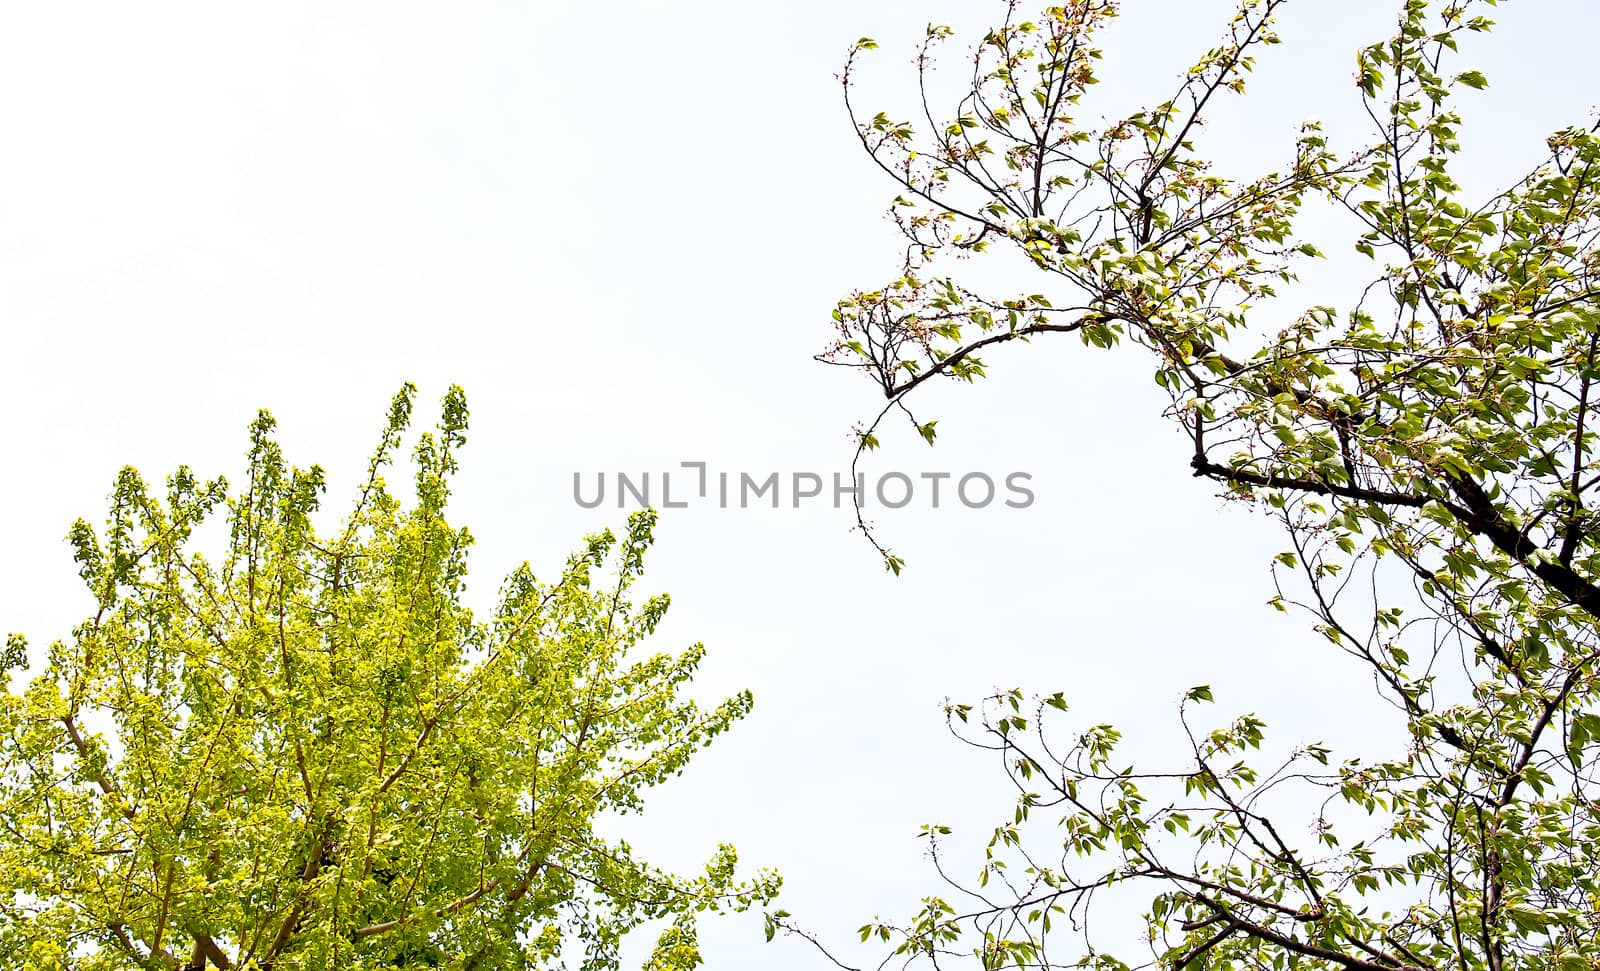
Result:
pixel 310 754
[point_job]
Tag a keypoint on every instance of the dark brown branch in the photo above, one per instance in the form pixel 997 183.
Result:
pixel 108 787
pixel 897 390
pixel 206 949
pixel 1227 931
pixel 1476 511
pixel 1205 467
pixel 1303 948
pixel 1483 518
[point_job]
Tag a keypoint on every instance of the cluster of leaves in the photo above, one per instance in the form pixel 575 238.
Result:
pixel 1428 450
pixel 310 754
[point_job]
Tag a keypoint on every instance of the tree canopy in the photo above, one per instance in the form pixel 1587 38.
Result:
pixel 309 753
pixel 1427 447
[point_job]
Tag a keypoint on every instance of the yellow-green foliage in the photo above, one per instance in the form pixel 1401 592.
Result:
pixel 310 754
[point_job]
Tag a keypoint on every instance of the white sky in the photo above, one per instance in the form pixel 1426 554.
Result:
pixel 622 228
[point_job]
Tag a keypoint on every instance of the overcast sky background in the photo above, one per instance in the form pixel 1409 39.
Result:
pixel 622 227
